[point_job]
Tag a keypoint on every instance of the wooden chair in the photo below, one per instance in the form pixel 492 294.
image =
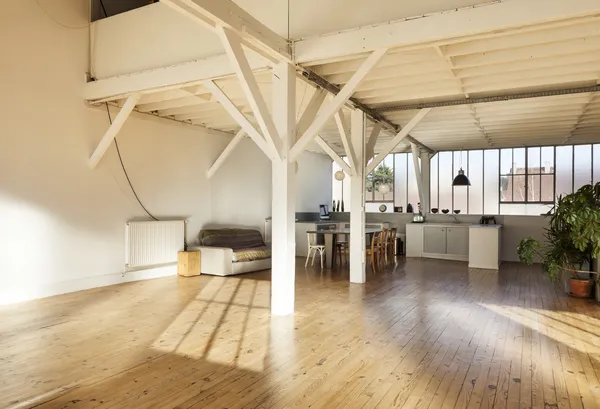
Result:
pixel 374 252
pixel 383 245
pixel 342 247
pixel 391 243
pixel 313 248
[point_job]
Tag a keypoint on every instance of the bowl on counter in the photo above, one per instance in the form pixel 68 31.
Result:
pixel 456 211
pixel 434 210
pixel 445 211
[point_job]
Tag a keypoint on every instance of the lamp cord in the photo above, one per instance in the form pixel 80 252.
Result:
pixel 58 22
pixel 125 171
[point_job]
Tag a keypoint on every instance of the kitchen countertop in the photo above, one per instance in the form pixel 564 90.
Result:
pixel 442 224
pixel 488 226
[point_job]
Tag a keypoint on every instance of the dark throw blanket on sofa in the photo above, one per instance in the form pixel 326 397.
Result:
pixel 247 244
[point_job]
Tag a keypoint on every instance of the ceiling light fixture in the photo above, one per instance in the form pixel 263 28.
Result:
pixel 461 179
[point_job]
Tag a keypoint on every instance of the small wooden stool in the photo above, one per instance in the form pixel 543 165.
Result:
pixel 188 263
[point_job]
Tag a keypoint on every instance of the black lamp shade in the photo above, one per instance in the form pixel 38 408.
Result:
pixel 461 179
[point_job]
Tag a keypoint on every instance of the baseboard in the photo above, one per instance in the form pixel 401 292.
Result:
pixel 12 295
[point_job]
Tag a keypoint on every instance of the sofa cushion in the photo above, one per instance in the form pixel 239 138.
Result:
pixel 235 239
pixel 256 253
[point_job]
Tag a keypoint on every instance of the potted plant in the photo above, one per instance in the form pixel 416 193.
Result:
pixel 572 240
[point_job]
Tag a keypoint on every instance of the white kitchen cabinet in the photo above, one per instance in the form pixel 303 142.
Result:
pixel 434 239
pixel 414 240
pixel 485 246
pixel 438 240
pixel 457 241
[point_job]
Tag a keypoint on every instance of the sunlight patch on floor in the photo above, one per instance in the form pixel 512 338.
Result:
pixel 227 323
pixel 576 331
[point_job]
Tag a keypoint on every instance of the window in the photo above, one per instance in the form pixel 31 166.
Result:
pixel 379 186
pixel 396 171
pixel 527 175
pixel 519 181
pixel 523 181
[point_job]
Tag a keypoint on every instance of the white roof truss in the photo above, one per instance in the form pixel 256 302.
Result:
pixel 493 49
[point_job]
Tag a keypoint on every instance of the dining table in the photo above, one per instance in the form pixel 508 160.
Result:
pixel 330 239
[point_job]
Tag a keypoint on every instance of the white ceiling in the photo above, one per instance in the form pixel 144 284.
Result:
pixel 309 18
pixel 545 56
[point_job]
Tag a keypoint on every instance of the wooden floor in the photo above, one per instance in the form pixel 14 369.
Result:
pixel 423 334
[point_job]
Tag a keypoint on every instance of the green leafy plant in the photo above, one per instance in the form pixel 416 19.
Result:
pixel 573 236
pixel 382 175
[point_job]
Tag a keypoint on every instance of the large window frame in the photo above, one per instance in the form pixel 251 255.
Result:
pixel 528 176
pixel 558 171
pixel 392 185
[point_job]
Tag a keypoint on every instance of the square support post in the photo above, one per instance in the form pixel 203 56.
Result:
pixel 283 270
pixel 357 199
pixel 426 180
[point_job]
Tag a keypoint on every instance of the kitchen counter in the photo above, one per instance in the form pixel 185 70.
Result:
pixel 437 224
pixel 479 244
pixel 485 245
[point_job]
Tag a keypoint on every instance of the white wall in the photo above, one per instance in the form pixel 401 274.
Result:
pixel 313 182
pixel 62 224
pixel 240 192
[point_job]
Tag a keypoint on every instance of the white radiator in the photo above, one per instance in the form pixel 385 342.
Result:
pixel 153 243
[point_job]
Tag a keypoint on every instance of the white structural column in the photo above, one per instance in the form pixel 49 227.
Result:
pixel 418 174
pixel 426 180
pixel 283 271
pixel 357 199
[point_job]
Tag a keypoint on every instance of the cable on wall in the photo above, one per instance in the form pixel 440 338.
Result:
pixel 58 22
pixel 125 171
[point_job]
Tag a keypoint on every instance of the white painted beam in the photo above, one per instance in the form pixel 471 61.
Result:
pixel 283 265
pixel 225 154
pixel 370 149
pixel 113 130
pixel 357 200
pixel 240 118
pixel 225 13
pixel 311 111
pixel 166 78
pixel 390 145
pixel 250 87
pixel 333 155
pixel 337 102
pixel 492 17
pixel 344 130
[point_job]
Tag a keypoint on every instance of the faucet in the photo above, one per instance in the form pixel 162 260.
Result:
pixel 455 219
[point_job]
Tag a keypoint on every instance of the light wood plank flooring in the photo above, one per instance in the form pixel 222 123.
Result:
pixel 422 334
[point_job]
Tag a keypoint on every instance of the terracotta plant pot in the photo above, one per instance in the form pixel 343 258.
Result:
pixel 581 288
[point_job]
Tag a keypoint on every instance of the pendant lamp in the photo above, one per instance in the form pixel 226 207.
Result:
pixel 461 179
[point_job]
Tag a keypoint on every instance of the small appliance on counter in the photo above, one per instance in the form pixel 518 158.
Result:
pixel 324 212
pixel 418 218
pixel 487 220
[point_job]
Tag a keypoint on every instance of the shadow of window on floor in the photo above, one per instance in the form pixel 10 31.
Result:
pixel 226 323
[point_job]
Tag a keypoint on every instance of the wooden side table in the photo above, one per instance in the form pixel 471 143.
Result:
pixel 188 263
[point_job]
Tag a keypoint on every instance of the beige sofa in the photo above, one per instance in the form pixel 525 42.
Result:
pixel 232 251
